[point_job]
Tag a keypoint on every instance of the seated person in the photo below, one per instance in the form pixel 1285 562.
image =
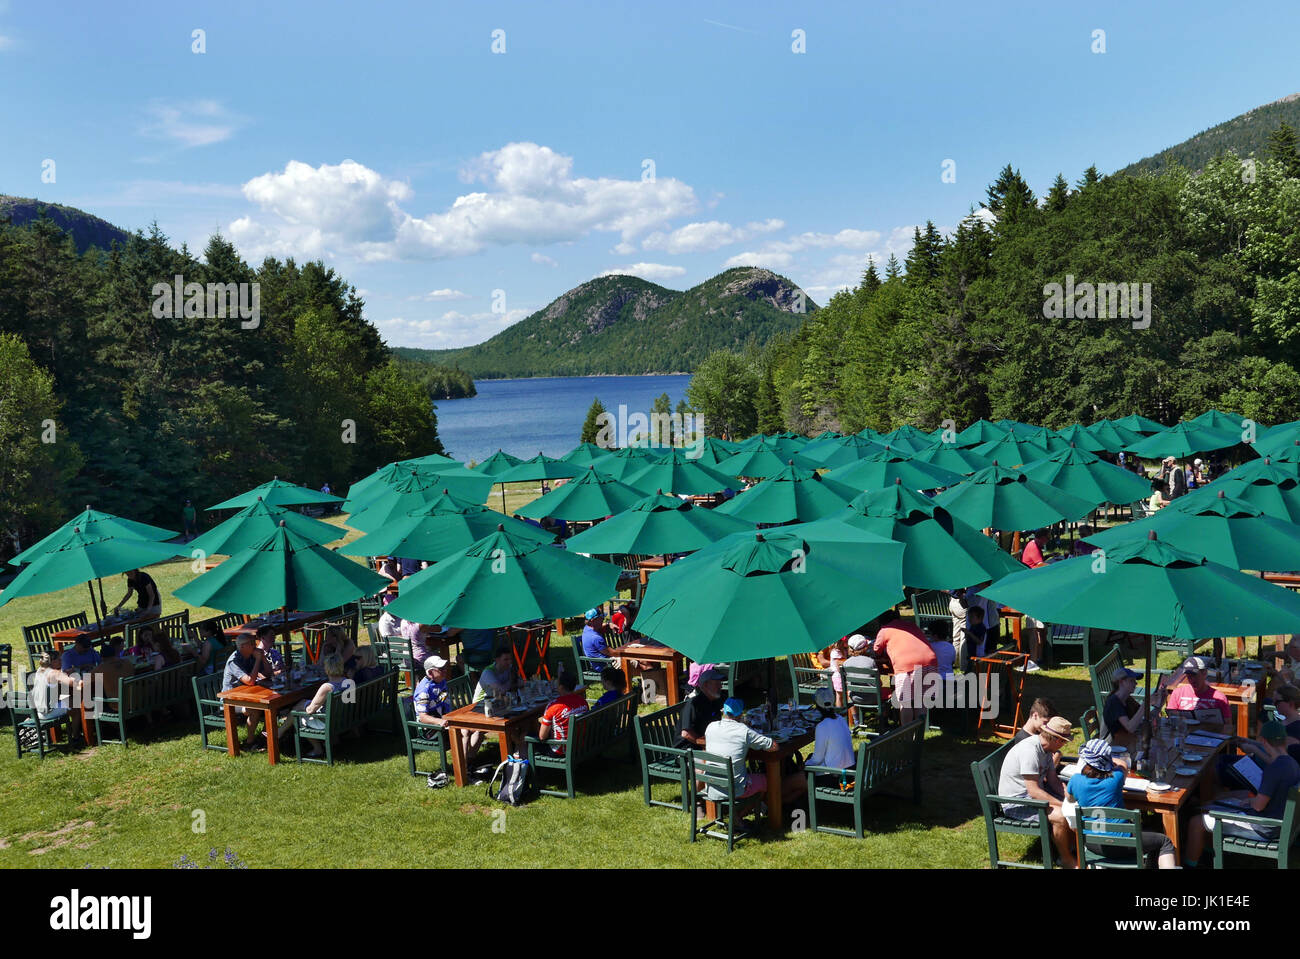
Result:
pixel 476 645
pixel 368 667
pixel 500 677
pixel 338 643
pixel 112 668
pixel 162 652
pixel 335 682
pixel 81 657
pixel 621 619
pixel 389 625
pixel 1196 693
pixel 1040 712
pixel 148 600
pixel 419 638
pixel 1121 714
pixel 611 677
pixel 51 687
pixel 1286 700
pixel 431 701
pixel 1029 772
pixel 696 670
pixel 1280 772
pixel 701 708
pixel 593 635
pixel 554 724
pixel 212 648
pixel 1100 782
pixel 243 669
pixel 730 737
pixel 273 661
pixel 833 743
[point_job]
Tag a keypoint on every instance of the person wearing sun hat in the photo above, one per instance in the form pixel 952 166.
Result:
pixel 1029 772
pixel 1279 773
pixel 1100 782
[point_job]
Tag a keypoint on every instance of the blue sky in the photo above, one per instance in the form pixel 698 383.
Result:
pixel 391 141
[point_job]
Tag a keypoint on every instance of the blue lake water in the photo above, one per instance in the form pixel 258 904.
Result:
pixel 525 417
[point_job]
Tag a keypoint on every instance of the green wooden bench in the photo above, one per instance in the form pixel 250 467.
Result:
pixel 210 709
pixel 1279 850
pixel 590 734
pixel 1090 723
pixel 394 652
pixel 141 695
pixel 37 636
pixel 986 773
pixel 743 671
pixel 656 741
pixel 881 761
pixel 1061 638
pixel 708 769
pixel 426 737
pixel 588 668
pixel 175 627
pixel 352 708
pixel 806 676
pixel 930 607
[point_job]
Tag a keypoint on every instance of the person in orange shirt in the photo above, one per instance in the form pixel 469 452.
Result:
pixel 910 655
pixel 1032 556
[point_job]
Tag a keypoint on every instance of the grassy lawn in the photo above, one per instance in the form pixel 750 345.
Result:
pixel 144 805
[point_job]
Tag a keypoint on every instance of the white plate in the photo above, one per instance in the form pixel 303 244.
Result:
pixel 1186 771
pixel 1192 757
pixel 1158 787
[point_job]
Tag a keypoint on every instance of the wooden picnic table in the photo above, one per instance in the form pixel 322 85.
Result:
pixel 772 763
pixel 643 652
pixel 92 631
pixel 270 702
pixel 474 717
pixel 1169 804
pixel 1240 698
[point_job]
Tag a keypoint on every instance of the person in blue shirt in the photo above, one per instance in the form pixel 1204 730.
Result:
pixel 272 660
pixel 81 657
pixel 611 677
pixel 431 701
pixel 1100 782
pixel 243 668
pixel 593 634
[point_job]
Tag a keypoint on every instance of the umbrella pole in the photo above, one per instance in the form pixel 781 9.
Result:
pixel 92 599
pixel 102 602
pixel 503 498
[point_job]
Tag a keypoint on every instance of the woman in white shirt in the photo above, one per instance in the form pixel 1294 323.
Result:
pixel 47 685
pixel 833 745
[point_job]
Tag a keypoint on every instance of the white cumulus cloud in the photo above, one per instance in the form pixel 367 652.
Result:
pixel 448 331
pixel 647 271
pixel 543 260
pixel 710 235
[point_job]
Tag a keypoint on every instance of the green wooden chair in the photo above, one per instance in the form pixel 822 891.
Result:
pixel 32 733
pixel 930 608
pixel 864 697
pixel 709 770
pixel 656 739
pixel 743 671
pixel 986 773
pixel 37 636
pixel 881 761
pixel 426 738
pixel 589 735
pixel 1090 724
pixel 6 675
pixel 210 709
pixel 587 669
pixel 1062 638
pixel 1279 850
pixel 1110 838
pixel 806 676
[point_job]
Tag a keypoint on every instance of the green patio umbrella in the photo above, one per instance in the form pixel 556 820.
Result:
pixel 622 463
pixel 253 524
pixel 980 432
pixel 762 461
pixel 951 457
pixel 1275 493
pixel 1234 424
pixel 1112 436
pixel 656 526
pixel 1277 439
pixel 781 591
pixel 540 467
pixel 879 470
pixel 584 454
pixel 907 439
pixel 867 433
pixel 942 551
pixel 80 558
pixel 1150 586
pixel 1001 498
pixel 1089 477
pixel 1014 448
pixel 841 452
pixel 1285 462
pixel 791 493
pixel 284 571
pixel 781 444
pixel 1016 425
pixel 1139 424
pixel 497 463
pixel 432 461
pixel 396 500
pixel 1224 530
pixel 593 495
pixel 711 451
pixel 1080 437
pixel 366 487
pixel 462 481
pixel 436 530
pixel 277 492
pixel 504 578
pixel 93 524
pixel 1182 439
pixel 676 472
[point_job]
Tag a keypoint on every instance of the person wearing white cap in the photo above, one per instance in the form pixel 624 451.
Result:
pixel 1174 478
pixel 431 701
pixel 1196 695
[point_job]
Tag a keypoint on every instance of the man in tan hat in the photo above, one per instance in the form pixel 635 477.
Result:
pixel 1029 772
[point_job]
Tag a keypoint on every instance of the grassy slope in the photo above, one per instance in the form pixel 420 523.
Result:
pixel 117 807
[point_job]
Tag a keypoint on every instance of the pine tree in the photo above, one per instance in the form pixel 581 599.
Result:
pixel 1090 178
pixel 923 260
pixel 892 269
pixel 1282 148
pixel 661 427
pixel 1058 196
pixel 591 425
pixel 767 405
pixel 870 278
